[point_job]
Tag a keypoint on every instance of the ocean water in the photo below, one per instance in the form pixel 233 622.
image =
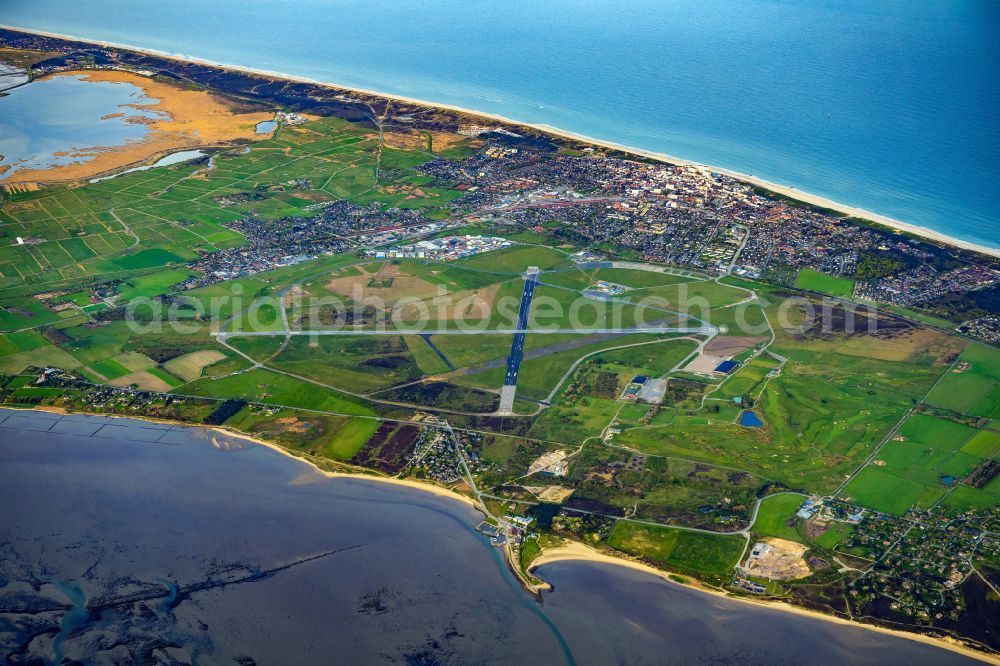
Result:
pixel 136 542
pixel 888 105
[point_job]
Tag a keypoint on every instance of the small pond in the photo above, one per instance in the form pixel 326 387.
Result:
pixel 750 419
pixel 266 127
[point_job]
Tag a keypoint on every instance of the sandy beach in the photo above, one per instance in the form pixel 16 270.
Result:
pixel 569 551
pixel 785 190
pixel 576 551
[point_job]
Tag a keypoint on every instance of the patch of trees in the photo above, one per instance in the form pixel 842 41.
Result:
pixel 543 513
pixel 224 411
pixel 160 354
pixel 878 264
pixel 983 474
pixel 605 385
pixel 964 306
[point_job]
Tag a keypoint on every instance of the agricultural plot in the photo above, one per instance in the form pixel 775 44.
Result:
pixel 985 444
pixel 190 367
pixel 973 385
pixel 883 491
pixel 265 386
pixel 924 465
pixel 145 220
pixel 964 498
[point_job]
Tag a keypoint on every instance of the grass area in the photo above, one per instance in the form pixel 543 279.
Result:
pixel 673 548
pixel 811 280
pixel 356 364
pixel 324 435
pixel 273 388
pixel 154 284
pixel 985 444
pixel 972 389
pixel 20 341
pixel 111 369
pixel 516 259
pixel 940 433
pixel 189 367
pixel 776 516
pixel 350 438
pixel 964 498
pixel 747 378
pixel 637 279
pixel 41 357
pixel 882 491
pixel 836 533
pixel 427 360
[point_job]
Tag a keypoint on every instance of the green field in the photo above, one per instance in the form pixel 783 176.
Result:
pixel 964 498
pixel 974 390
pixel 677 549
pixel 266 386
pixel 882 491
pixel 775 514
pixel 985 444
pixel 811 280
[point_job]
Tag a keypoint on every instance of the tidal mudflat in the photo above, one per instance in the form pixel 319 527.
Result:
pixel 136 541
pixel 50 123
pixel 76 125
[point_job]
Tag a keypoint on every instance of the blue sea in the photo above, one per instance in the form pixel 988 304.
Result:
pixel 887 105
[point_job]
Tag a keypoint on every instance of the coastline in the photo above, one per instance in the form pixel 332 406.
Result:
pixel 785 190
pixel 576 551
pixel 569 551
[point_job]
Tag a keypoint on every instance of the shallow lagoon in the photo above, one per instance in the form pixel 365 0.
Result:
pixel 196 546
pixel 47 118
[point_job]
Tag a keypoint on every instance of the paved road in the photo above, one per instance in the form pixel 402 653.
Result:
pixel 690 330
pixel 430 343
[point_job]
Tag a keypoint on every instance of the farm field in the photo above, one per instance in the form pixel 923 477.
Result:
pixel 883 491
pixel 973 387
